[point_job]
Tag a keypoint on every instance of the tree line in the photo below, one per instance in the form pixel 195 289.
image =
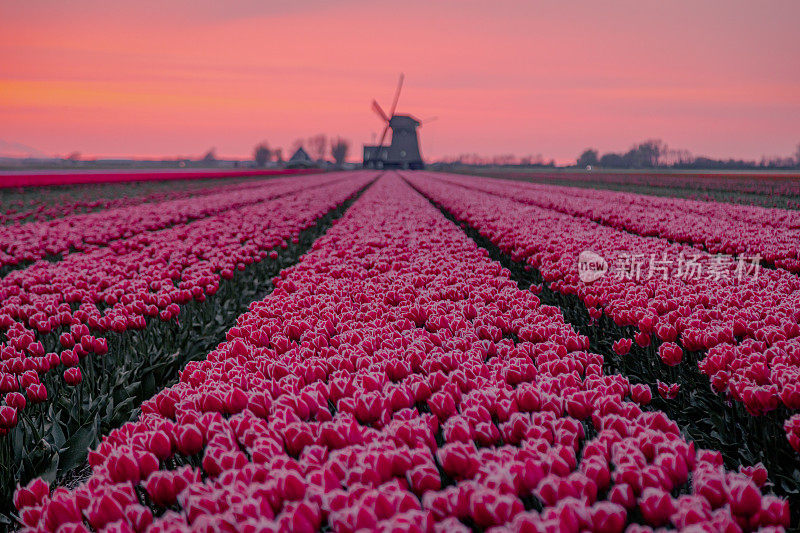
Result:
pixel 654 153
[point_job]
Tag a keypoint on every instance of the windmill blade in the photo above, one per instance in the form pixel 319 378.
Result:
pixel 397 94
pixel 383 135
pixel 377 108
pixel 428 120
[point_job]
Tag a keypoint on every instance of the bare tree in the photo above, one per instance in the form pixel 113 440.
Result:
pixel 339 149
pixel 278 155
pixel 262 154
pixel 676 157
pixel 318 145
pixel 502 160
pixel 797 155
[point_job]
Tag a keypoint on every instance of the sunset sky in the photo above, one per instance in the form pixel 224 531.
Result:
pixel 165 78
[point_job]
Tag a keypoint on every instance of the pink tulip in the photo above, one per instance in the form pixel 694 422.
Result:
pixel 8 417
pixel 32 494
pixel 16 400
pixel 667 391
pixel 72 376
pixel 622 346
pixel 104 510
pixel 608 517
pixel 656 506
pixel 744 497
pixel 670 353
pixel 641 394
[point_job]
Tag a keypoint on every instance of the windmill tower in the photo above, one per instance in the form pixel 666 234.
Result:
pixel 403 150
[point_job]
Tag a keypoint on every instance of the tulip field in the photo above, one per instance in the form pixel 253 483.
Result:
pixel 766 189
pixel 397 351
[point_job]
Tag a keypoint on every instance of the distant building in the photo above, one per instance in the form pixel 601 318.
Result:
pixel 402 152
pixel 300 159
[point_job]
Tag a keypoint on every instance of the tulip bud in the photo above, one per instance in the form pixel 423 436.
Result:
pixel 744 497
pixel 100 346
pixel 622 346
pixel 122 467
pixel 160 444
pixel 8 383
pixel 69 358
pixel 139 517
pixel 235 401
pixel 104 510
pixel 656 506
pixel 423 478
pixel 8 417
pixel 53 360
pixel 15 400
pixel 670 353
pixel 758 473
pixel 458 460
pixel 66 340
pixel 29 377
pixel 668 392
pixel 642 339
pixel 161 488
pixel 774 511
pixel 62 511
pixel 622 494
pixel 641 394
pixel 31 494
pixel 608 517
pixel 37 392
pixel 189 439
pixel 148 463
pixel 73 376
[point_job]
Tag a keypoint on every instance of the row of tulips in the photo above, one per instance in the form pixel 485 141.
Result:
pixel 747 325
pixel 42 203
pixel 718 227
pixel 761 216
pixel 16 181
pixel 57 394
pixel 21 244
pixel 768 189
pixel 396 380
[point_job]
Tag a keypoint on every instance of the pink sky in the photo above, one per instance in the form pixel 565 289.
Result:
pixel 151 78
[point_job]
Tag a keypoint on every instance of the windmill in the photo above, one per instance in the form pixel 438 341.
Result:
pixel 403 150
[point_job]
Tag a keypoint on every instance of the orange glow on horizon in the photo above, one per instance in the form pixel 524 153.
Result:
pixel 145 79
